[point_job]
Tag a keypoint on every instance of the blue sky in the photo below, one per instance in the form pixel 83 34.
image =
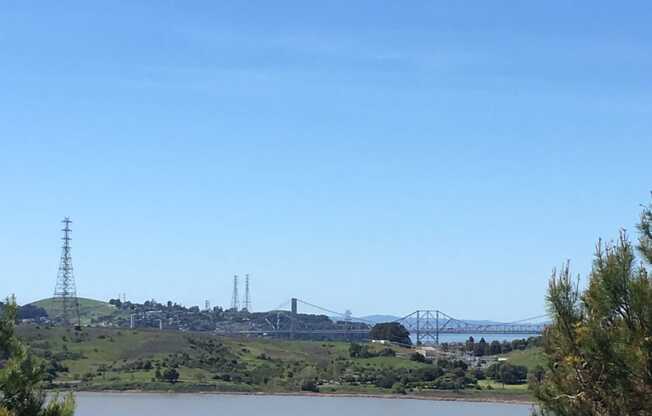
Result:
pixel 380 157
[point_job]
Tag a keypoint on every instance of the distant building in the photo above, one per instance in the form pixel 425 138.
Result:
pixel 428 352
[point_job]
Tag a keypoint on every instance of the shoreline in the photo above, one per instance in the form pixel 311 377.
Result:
pixel 439 397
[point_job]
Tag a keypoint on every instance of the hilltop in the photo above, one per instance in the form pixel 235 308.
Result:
pixel 172 316
pixel 117 313
pixel 90 310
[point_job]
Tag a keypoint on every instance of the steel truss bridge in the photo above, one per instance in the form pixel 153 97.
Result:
pixel 426 325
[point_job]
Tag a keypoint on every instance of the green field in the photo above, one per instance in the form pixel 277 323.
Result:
pixel 530 358
pixel 124 359
pixel 102 357
pixel 89 309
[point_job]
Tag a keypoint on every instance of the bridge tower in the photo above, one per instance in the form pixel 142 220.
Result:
pixel 425 324
pixel 294 302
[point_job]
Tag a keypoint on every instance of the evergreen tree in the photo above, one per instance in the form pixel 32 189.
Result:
pixel 21 376
pixel 171 375
pixel 494 348
pixel 600 342
pixel 391 331
pixel 470 344
pixel 481 348
pixel 645 234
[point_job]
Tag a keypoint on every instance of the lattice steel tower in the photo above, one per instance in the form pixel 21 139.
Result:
pixel 247 299
pixel 65 291
pixel 235 300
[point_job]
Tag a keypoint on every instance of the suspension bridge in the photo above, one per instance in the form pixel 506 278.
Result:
pixel 425 325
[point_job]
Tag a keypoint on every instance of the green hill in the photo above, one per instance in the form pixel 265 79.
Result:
pixel 124 359
pixel 531 358
pixel 89 309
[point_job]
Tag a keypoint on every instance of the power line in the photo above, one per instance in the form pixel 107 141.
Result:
pixel 346 316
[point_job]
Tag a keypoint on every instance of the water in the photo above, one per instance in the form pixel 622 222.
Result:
pixel 139 404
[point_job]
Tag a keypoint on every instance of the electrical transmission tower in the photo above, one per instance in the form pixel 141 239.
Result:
pixel 65 291
pixel 235 300
pixel 247 299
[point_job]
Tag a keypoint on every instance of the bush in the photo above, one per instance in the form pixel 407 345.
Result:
pixel 478 373
pixel 398 388
pixel 387 352
pixel 309 385
pixel 420 358
pixel 449 382
pixel 513 374
pixel 428 374
pixel 385 381
pixel 170 375
pixel 360 351
pixel 507 373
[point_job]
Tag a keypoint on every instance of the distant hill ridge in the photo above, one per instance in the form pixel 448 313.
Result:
pixel 89 309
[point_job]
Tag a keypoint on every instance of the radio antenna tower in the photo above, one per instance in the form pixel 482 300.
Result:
pixel 65 291
pixel 235 301
pixel 247 299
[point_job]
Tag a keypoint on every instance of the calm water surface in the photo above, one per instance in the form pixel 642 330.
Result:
pixel 145 404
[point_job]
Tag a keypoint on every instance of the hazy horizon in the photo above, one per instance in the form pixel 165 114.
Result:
pixel 377 158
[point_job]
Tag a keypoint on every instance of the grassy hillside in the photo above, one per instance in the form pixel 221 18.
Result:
pixel 531 358
pixel 113 358
pixel 120 359
pixel 89 309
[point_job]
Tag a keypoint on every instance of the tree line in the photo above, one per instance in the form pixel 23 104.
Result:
pixel 482 347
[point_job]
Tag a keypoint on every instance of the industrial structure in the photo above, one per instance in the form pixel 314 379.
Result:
pixel 236 303
pixel 247 298
pixel 235 299
pixel 65 290
pixel 427 325
pixel 424 326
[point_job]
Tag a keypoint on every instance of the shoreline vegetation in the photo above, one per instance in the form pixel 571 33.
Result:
pixel 149 361
pixel 445 396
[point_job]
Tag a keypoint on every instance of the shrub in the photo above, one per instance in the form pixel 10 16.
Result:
pixel 420 358
pixel 171 375
pixel 385 381
pixel 309 385
pixel 387 352
pixel 398 388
